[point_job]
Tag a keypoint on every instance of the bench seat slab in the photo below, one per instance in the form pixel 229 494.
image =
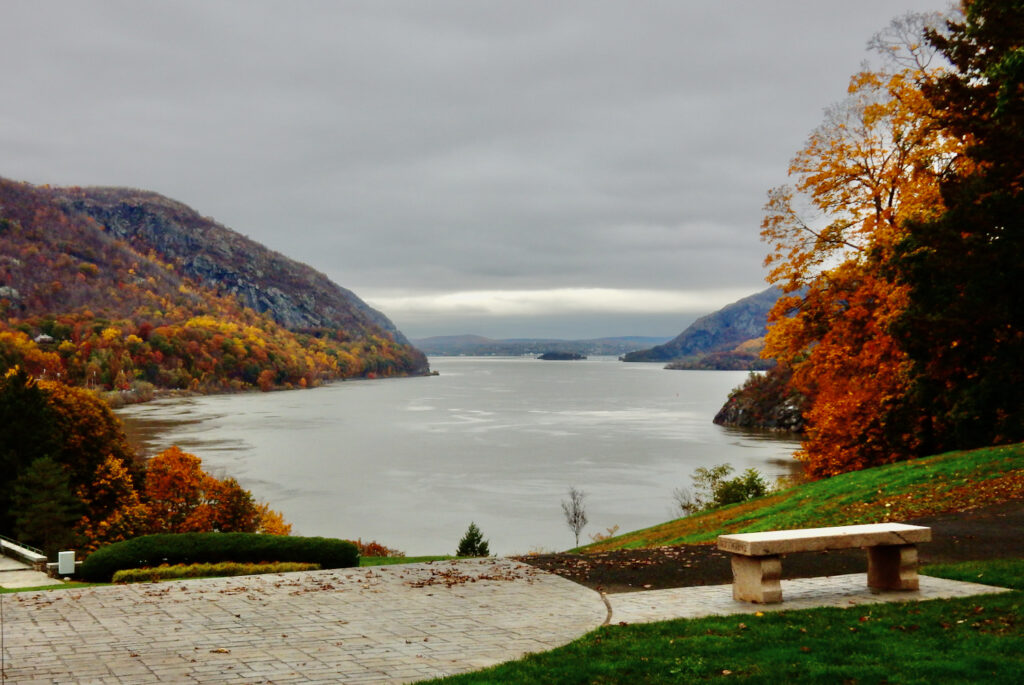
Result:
pixel 820 539
pixel 756 579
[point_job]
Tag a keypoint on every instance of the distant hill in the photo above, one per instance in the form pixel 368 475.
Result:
pixel 744 357
pixel 475 345
pixel 109 287
pixel 721 331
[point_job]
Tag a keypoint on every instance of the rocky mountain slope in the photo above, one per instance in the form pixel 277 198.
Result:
pixel 107 286
pixel 295 295
pixel 723 330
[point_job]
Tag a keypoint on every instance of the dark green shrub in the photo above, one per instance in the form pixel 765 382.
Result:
pixel 749 485
pixel 472 543
pixel 712 489
pixel 212 548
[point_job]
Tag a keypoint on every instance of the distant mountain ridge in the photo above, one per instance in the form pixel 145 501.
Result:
pixel 476 345
pixel 720 331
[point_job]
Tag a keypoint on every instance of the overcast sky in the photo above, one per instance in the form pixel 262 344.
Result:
pixel 511 169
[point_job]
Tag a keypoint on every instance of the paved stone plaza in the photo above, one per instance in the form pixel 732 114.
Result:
pixel 382 624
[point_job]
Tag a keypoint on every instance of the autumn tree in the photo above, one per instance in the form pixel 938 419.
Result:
pixel 180 497
pixel 103 495
pixel 69 425
pixel 88 430
pixel 872 166
pixel 113 508
pixel 175 493
pixel 963 326
pixel 234 510
pixel 271 522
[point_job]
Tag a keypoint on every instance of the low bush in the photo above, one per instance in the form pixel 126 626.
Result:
pixel 373 548
pixel 227 568
pixel 212 548
pixel 713 490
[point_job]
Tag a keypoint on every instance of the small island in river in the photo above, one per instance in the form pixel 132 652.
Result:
pixel 561 356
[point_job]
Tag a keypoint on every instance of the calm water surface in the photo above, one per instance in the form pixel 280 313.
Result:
pixel 411 461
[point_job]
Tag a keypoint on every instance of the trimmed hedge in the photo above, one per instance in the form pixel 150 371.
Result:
pixel 221 570
pixel 212 548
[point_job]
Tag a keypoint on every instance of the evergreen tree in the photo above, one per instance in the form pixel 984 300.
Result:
pixel 472 543
pixel 27 432
pixel 44 508
pixel 964 326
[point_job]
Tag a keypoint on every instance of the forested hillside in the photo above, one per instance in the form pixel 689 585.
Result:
pixel 127 290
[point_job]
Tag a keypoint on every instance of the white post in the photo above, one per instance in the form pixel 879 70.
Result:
pixel 66 563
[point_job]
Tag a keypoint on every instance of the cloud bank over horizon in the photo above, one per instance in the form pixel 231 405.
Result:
pixel 490 311
pixel 467 167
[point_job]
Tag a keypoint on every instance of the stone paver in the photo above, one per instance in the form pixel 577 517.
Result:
pixel 390 624
pixel 800 593
pixel 371 625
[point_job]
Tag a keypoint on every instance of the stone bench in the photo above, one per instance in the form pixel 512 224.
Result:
pixel 757 569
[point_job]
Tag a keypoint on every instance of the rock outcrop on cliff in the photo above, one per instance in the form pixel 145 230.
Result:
pixel 765 401
pixel 293 294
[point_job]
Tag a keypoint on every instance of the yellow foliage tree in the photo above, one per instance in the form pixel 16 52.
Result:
pixel 114 511
pixel 873 165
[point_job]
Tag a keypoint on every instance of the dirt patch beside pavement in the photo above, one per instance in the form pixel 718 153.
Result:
pixel 991 532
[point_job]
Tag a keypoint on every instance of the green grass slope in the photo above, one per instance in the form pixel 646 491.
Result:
pixel 976 639
pixel 955 481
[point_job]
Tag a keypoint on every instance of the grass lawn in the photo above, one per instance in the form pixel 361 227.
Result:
pixel 972 640
pixel 954 481
pixel 387 561
pixel 63 586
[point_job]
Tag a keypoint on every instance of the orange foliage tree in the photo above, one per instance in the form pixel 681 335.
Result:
pixel 175 492
pixel 873 165
pixel 114 510
pixel 180 497
pixel 119 497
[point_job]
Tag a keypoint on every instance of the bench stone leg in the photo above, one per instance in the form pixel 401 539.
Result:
pixel 756 579
pixel 892 567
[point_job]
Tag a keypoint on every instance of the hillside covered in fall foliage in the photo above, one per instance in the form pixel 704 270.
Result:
pixel 126 290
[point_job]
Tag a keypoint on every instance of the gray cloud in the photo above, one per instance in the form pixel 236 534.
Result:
pixel 432 148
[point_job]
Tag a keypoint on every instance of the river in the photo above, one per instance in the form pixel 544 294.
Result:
pixel 493 440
